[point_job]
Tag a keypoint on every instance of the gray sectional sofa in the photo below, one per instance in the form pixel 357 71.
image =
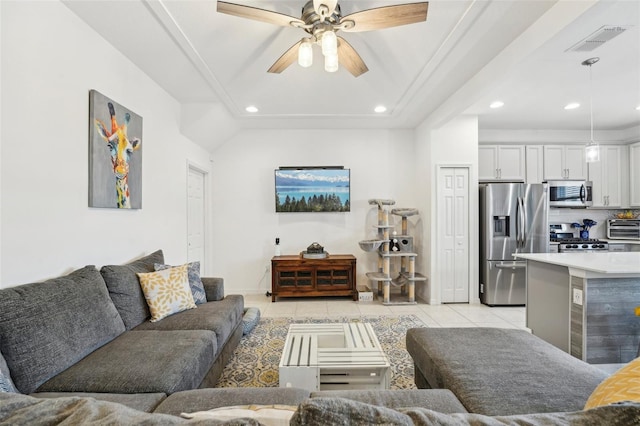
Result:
pixel 495 371
pixel 79 349
pixel 88 331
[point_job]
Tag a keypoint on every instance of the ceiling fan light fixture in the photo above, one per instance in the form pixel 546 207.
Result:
pixel 329 43
pixel 305 54
pixel 331 63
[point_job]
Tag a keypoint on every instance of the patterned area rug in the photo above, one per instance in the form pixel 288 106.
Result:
pixel 255 360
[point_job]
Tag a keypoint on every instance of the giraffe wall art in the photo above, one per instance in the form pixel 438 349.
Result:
pixel 115 154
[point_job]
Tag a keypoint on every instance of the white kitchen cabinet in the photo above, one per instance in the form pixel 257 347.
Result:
pixel 609 177
pixel 501 162
pixel 534 164
pixel 634 174
pixel 564 162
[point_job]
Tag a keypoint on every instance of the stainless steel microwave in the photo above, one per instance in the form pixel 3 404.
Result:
pixel 570 193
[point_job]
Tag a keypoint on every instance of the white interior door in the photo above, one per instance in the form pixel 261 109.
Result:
pixel 195 217
pixel 453 234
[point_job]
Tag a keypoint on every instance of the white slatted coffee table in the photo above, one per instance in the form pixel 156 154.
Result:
pixel 333 356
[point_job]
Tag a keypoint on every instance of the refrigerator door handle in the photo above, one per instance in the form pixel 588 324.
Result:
pixel 524 223
pixel 520 223
pixel 517 222
pixel 515 265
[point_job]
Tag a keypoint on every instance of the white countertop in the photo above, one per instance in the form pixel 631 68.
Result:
pixel 599 262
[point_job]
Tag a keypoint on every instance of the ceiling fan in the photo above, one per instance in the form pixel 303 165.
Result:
pixel 321 19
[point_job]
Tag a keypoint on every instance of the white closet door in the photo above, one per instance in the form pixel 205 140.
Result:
pixel 453 234
pixel 195 217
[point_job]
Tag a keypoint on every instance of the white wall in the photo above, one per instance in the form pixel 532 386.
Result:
pixel 452 144
pixel 245 222
pixel 50 61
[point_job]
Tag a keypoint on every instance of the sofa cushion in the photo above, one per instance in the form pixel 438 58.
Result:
pixel 623 385
pixel 206 399
pixel 524 373
pixel 195 282
pixel 221 317
pixel 141 361
pixel 25 410
pixel 167 292
pixel 339 411
pixel 140 401
pixel 436 399
pixel 124 288
pixel 47 327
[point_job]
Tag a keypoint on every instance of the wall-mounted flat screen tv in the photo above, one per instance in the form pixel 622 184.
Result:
pixel 312 189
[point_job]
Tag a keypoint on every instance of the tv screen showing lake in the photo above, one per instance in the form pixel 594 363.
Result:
pixel 312 190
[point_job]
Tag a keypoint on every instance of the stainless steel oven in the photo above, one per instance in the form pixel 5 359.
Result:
pixel 570 193
pixel 565 239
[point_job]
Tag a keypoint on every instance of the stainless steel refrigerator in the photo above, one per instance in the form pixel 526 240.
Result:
pixel 513 219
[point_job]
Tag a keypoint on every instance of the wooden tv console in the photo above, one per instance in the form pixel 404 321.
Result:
pixel 295 276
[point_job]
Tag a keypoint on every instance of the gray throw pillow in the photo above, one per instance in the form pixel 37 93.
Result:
pixel 195 283
pixel 124 288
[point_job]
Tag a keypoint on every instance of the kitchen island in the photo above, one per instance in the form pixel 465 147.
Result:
pixel 584 303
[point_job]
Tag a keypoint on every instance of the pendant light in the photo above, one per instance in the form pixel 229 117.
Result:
pixel 592 150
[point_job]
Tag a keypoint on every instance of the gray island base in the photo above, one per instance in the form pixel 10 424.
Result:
pixel 584 303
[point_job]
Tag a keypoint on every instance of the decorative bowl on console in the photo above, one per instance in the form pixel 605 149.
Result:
pixel 314 251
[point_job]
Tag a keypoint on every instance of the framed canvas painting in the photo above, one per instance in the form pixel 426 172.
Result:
pixel 115 154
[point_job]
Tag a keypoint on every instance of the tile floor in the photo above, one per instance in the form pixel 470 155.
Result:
pixel 449 315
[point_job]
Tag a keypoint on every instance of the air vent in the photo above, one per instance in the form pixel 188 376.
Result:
pixel 597 38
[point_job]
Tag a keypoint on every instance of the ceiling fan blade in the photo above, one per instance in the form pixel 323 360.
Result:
pixel 331 6
pixel 287 58
pixel 386 17
pixel 349 58
pixel 257 14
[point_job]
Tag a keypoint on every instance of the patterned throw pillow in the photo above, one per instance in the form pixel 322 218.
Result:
pixel 623 385
pixel 197 288
pixel 167 292
pixel 6 385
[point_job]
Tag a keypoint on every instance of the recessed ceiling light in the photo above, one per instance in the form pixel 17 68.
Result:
pixel 496 104
pixel 638 107
pixel 572 105
pixel 251 108
pixel 380 108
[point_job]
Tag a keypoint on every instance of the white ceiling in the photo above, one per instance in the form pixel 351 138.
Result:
pixel 467 54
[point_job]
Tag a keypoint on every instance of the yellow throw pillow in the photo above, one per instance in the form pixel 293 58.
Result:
pixel 167 291
pixel 623 385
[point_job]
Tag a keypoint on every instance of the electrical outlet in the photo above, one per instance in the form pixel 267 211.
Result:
pixel 577 296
